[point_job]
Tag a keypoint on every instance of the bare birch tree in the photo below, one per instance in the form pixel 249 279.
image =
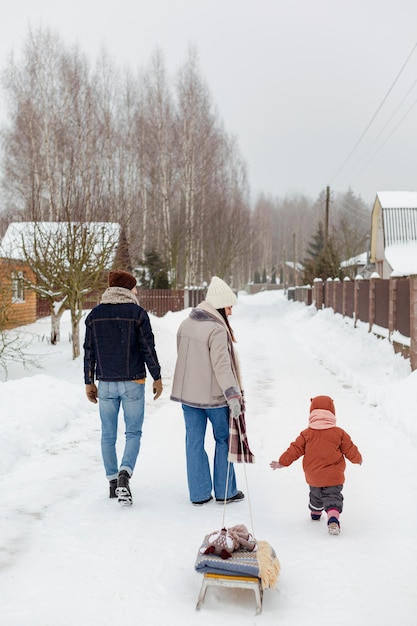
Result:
pixel 227 222
pixel 162 173
pixel 68 260
pixel 195 123
pixel 87 145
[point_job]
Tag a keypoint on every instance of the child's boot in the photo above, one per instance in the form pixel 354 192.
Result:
pixel 315 515
pixel 333 523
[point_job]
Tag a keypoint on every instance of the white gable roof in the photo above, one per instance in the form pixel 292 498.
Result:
pixel 398 199
pixel 18 232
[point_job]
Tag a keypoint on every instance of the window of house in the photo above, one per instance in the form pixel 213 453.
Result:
pixel 18 292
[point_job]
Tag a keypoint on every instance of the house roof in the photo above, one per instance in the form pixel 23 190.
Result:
pixel 398 199
pixel 298 267
pixel 359 259
pixel 11 245
pixel 397 212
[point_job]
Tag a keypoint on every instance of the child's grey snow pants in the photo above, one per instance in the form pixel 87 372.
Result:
pixel 326 498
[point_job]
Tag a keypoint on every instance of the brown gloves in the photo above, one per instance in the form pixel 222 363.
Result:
pixel 91 391
pixel 157 388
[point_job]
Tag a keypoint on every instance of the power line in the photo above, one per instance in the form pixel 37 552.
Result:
pixel 374 141
pixel 389 136
pixel 375 114
pixel 359 214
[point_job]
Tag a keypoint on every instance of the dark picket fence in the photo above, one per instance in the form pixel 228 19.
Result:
pixel 156 301
pixel 389 304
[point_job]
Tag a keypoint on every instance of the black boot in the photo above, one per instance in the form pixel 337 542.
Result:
pixel 123 490
pixel 236 498
pixel 113 485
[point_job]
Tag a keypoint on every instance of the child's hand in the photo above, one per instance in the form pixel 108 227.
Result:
pixel 275 465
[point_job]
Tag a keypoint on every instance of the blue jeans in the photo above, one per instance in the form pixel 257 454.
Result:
pixel 200 483
pixel 132 398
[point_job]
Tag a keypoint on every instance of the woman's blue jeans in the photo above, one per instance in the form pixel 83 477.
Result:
pixel 132 398
pixel 200 484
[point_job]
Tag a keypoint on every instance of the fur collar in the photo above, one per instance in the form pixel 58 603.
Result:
pixel 118 295
pixel 206 312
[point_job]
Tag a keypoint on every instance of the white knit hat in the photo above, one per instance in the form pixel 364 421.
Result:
pixel 219 294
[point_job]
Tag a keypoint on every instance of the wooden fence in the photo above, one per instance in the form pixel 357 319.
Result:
pixel 389 304
pixel 159 301
pixel 156 301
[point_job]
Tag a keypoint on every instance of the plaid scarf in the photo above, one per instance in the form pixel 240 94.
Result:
pixel 239 451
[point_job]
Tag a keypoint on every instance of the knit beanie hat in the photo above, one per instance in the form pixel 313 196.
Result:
pixel 322 402
pixel 122 279
pixel 219 294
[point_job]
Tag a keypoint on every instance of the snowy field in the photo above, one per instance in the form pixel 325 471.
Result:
pixel 69 556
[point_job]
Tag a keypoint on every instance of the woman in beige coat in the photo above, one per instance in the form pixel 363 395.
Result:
pixel 207 383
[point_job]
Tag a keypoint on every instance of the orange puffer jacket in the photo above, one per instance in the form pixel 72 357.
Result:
pixel 324 454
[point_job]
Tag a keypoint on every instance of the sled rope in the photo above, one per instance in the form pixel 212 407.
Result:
pixel 246 482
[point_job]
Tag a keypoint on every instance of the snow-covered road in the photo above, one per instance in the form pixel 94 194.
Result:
pixel 69 556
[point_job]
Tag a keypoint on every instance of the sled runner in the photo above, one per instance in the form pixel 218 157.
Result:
pixel 223 580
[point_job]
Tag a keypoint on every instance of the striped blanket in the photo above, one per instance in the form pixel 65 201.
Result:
pixel 239 451
pixel 261 564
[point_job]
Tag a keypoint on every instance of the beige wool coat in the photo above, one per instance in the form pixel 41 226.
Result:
pixel 207 371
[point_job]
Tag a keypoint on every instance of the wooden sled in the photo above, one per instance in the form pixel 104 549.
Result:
pixel 241 582
pixel 246 570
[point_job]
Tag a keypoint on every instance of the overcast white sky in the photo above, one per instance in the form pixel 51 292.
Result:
pixel 296 81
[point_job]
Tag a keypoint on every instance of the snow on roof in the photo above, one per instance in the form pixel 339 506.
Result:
pixel 398 199
pixel 402 258
pixel 359 259
pixel 19 232
pixel 299 267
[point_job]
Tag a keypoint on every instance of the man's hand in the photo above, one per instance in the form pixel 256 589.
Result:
pixel 157 388
pixel 91 391
pixel 275 465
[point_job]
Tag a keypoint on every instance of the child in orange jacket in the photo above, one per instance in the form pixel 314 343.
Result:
pixel 324 447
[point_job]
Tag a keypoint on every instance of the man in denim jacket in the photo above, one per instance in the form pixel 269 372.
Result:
pixel 119 343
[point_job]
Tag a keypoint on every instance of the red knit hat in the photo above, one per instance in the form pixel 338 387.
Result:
pixel 122 279
pixel 322 402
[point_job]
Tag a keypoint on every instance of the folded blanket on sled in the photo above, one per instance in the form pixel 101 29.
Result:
pixel 262 564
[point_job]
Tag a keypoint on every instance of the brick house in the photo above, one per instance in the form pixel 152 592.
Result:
pixel 17 304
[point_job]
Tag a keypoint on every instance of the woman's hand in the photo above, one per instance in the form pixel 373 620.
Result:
pixel 234 407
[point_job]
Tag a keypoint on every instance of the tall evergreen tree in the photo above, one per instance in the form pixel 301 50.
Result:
pixel 323 260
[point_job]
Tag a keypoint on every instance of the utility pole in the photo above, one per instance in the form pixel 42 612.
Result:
pixel 326 221
pixel 284 273
pixel 293 256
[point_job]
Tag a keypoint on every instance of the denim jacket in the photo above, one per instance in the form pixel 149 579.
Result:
pixel 119 342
